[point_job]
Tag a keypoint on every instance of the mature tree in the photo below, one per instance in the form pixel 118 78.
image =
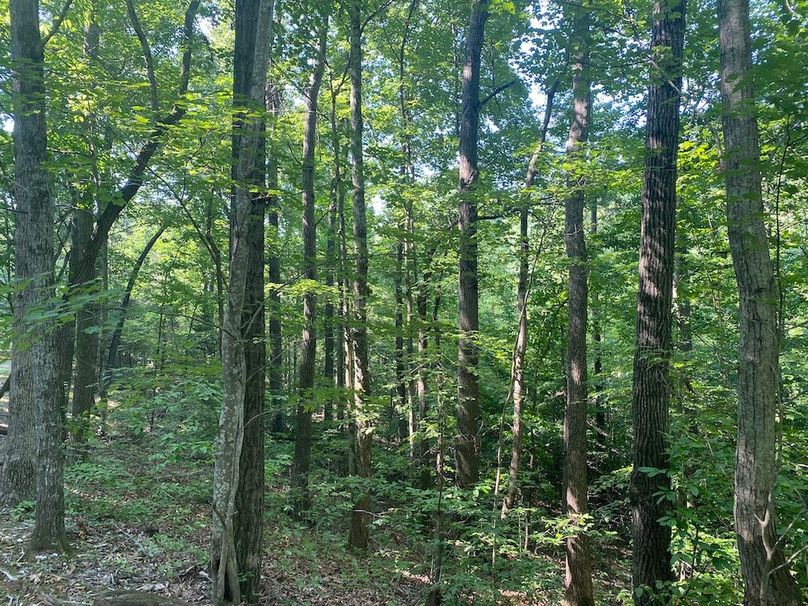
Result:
pixel 467 451
pixel 651 557
pixel 578 582
pixel 765 571
pixel 251 56
pixel 35 385
pixel 308 357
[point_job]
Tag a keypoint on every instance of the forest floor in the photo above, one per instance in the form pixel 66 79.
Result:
pixel 138 519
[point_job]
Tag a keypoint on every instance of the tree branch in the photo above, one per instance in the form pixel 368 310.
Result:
pixel 57 23
pixel 147 54
pixel 498 90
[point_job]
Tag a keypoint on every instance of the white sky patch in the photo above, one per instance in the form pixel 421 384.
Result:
pixel 8 123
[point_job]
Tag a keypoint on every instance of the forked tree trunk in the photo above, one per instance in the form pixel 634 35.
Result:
pixel 308 358
pixel 651 399
pixel 765 571
pixel 253 26
pixel 358 537
pixel 34 265
pixel 467 449
pixel 578 580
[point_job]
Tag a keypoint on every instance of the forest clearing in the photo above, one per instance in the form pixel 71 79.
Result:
pixel 404 302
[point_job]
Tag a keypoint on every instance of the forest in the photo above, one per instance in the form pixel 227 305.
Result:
pixel 404 302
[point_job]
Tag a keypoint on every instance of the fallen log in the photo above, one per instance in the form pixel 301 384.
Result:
pixel 136 598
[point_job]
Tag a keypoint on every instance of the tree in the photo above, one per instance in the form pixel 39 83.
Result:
pixel 251 58
pixel 308 358
pixel 361 437
pixel 651 400
pixel 467 451
pixel 34 245
pixel 765 571
pixel 578 581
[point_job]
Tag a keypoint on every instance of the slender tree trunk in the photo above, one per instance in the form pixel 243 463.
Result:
pixel 113 357
pixel 253 26
pixel 278 424
pixel 601 433
pixel 358 537
pixel 520 351
pixel 578 580
pixel 651 400
pixel 467 450
pixel 328 308
pixel 303 437
pixel 766 575
pixel 33 242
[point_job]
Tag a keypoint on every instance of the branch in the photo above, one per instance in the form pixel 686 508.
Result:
pixel 372 15
pixel 57 23
pixel 498 90
pixel 135 179
pixel 147 54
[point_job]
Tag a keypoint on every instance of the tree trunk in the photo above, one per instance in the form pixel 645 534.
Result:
pixel 278 423
pixel 113 357
pixel 33 253
pixel 601 433
pixel 358 537
pixel 518 370
pixel 766 575
pixel 253 26
pixel 578 580
pixel 467 450
pixel 651 399
pixel 308 358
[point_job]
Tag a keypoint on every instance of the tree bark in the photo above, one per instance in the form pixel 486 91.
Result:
pixel 358 537
pixel 651 399
pixel 467 449
pixel 765 571
pixel 253 26
pixel 36 369
pixel 578 579
pixel 303 426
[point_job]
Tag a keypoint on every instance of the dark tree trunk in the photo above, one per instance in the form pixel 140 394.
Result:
pixel 578 580
pixel 305 408
pixel 358 537
pixel 33 253
pixel 766 575
pixel 601 433
pixel 467 450
pixel 238 478
pixel 651 399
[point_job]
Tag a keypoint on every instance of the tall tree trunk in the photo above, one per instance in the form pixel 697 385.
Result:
pixel 651 399
pixel 278 423
pixel 303 437
pixel 578 580
pixel 358 537
pixel 520 351
pixel 765 571
pixel 467 450
pixel 601 433
pixel 253 26
pixel 33 252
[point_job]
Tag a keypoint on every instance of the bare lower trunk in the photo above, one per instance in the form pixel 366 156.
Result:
pixel 651 400
pixel 467 449
pixel 765 571
pixel 578 580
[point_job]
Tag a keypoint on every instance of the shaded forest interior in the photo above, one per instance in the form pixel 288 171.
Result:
pixel 403 302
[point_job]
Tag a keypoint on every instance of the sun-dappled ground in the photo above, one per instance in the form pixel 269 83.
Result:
pixel 138 519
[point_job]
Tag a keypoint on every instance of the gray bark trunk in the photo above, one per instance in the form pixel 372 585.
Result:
pixel 766 575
